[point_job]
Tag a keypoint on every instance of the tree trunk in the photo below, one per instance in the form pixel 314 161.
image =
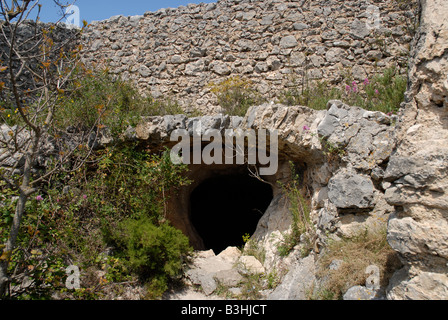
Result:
pixel 10 244
pixel 25 192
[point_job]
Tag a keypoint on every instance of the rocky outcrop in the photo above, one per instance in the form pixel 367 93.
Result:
pixel 417 174
pixel 344 183
pixel 298 282
pixel 207 271
pixel 363 167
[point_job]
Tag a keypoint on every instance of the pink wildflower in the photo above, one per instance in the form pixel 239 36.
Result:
pixel 39 198
pixel 306 128
pixel 347 88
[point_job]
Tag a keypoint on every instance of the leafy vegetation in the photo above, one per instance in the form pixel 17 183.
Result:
pixel 314 97
pixel 107 218
pixel 384 92
pixel 102 100
pixel 236 95
pixel 302 232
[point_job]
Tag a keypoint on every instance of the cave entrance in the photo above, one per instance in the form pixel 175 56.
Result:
pixel 226 207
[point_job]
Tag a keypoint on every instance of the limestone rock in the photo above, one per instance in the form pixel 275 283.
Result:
pixel 298 282
pixel 347 189
pixel 359 29
pixel 230 254
pixel 366 137
pixel 423 286
pixel 207 267
pixel 205 280
pixel 228 278
pixel 288 42
pixel 250 264
pixel 360 293
pixel 288 122
pixel 417 175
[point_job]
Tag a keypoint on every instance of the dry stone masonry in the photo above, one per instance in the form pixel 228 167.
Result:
pixel 276 44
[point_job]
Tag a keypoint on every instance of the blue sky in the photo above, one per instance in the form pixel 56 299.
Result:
pixel 91 10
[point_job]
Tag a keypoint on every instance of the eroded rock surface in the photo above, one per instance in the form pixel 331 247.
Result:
pixel 418 170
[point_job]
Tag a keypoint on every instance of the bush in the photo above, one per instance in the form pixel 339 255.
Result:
pixel 384 92
pixel 315 97
pixel 236 95
pixel 99 99
pixel 154 252
pixel 76 219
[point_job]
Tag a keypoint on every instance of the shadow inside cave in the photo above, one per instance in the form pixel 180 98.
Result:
pixel 224 208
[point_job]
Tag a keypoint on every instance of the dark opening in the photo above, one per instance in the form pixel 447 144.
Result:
pixel 225 208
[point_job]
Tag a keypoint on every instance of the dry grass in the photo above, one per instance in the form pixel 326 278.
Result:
pixel 356 253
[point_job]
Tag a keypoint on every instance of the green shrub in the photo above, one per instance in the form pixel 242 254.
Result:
pixel 76 218
pixel 314 97
pixel 236 95
pixel 101 100
pixel 300 213
pixel 384 92
pixel 134 183
pixel 152 251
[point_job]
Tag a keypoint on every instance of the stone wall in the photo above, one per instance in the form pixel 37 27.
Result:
pixel 30 38
pixel 275 44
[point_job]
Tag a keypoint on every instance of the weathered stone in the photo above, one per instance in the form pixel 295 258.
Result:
pixel 230 254
pixel 229 278
pixel 205 280
pixel 249 264
pixel 360 293
pixel 348 189
pixel 261 67
pixel 288 42
pixel 334 55
pixel 417 173
pixel 194 68
pixel 359 29
pixel 298 281
pixel 221 69
pixel 300 26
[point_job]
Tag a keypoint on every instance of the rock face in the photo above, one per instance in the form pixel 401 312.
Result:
pixel 298 281
pixel 346 191
pixel 179 51
pixel 417 173
pixel 227 269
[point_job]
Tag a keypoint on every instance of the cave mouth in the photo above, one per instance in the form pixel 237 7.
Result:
pixel 226 207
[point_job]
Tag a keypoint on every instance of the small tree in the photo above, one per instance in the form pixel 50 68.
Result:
pixel 37 65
